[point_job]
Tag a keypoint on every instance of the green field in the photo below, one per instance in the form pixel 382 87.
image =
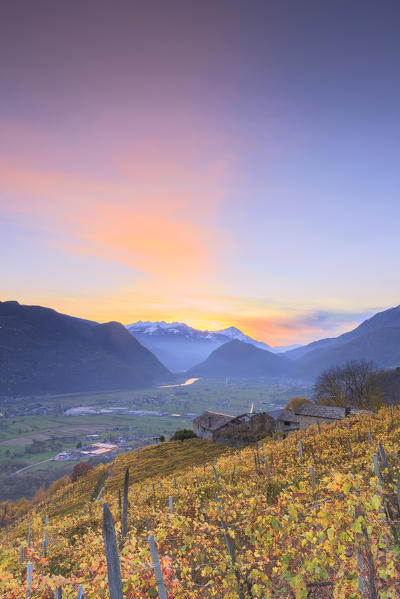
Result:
pixel 29 438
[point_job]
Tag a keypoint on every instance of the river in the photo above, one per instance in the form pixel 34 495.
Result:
pixel 188 382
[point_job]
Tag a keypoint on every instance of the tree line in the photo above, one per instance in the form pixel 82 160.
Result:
pixel 355 384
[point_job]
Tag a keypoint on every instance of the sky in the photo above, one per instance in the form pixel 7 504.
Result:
pixel 215 163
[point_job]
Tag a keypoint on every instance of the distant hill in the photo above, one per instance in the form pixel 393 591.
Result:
pixel 43 351
pixel 180 347
pixel 387 319
pixel 376 339
pixel 243 360
pixel 282 349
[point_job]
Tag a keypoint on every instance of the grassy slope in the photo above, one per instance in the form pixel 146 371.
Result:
pixel 286 536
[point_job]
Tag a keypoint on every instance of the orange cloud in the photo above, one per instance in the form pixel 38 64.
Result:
pixel 153 234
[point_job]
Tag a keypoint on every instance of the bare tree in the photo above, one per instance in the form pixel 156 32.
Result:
pixel 353 384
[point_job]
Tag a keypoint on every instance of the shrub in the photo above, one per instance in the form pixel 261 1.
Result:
pixel 296 402
pixel 80 469
pixel 182 434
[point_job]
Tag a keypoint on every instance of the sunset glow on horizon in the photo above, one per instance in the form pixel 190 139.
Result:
pixel 217 164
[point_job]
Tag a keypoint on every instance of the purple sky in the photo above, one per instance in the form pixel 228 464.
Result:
pixel 219 163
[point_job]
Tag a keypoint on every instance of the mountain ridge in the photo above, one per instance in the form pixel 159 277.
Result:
pixel 180 347
pixel 44 351
pixel 243 360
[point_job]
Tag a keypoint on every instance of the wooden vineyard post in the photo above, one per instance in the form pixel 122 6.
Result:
pixel 119 505
pixel 21 554
pixel 319 428
pixel 301 452
pixel 80 594
pixel 231 552
pixel 45 541
pixel 111 550
pixel 29 535
pixel 29 572
pixel 216 477
pixel 217 502
pixel 171 505
pixel 360 568
pixel 350 448
pixel 255 464
pixel 385 462
pixel 267 469
pixel 370 438
pixel 314 486
pixel 383 455
pixel 371 567
pixel 377 469
pixel 162 591
pixel 124 524
pixel 58 593
pixel 258 458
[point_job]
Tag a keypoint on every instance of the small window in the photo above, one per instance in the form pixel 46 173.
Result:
pixel 286 423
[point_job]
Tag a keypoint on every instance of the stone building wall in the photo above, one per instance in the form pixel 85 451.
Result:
pixel 306 421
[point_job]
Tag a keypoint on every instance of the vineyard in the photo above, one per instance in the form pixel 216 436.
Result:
pixel 312 515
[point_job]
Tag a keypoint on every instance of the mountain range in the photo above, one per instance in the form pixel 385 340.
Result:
pixel 43 351
pixel 376 339
pixel 181 347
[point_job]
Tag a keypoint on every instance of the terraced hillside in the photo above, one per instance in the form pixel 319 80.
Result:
pixel 306 516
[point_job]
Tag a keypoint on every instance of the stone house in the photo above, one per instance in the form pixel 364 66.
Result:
pixel 312 414
pixel 285 420
pixel 243 428
pixel 207 423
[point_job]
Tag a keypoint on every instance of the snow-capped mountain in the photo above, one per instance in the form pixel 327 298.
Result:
pixel 179 329
pixel 234 333
pixel 180 346
pixel 169 329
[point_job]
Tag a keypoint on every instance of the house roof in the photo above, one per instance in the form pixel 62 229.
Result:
pixel 333 412
pixel 212 420
pixel 282 414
